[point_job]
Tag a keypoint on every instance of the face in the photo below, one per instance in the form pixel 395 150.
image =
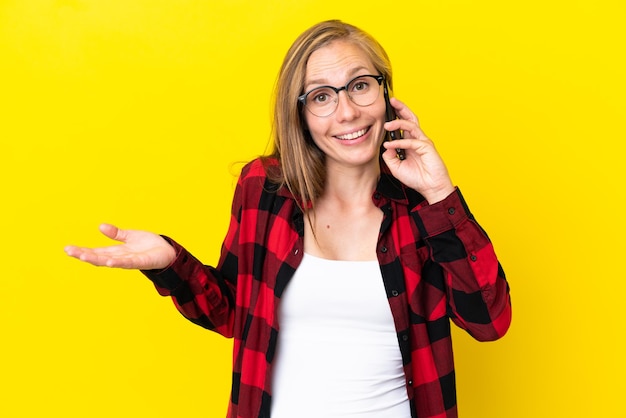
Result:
pixel 352 135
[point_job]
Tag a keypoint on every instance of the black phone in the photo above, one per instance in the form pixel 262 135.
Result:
pixel 389 116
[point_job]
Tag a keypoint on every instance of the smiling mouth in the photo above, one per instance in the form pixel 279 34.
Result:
pixel 353 135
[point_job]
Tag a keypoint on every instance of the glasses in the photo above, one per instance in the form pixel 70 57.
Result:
pixel 323 101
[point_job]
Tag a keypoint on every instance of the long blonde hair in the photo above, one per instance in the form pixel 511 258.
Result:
pixel 302 163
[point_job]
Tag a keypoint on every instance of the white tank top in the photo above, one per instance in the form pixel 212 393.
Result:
pixel 337 353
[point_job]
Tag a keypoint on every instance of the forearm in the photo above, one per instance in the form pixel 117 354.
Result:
pixel 478 294
pixel 201 293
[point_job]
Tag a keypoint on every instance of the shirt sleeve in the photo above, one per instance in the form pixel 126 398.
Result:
pixel 201 293
pixel 204 294
pixel 478 293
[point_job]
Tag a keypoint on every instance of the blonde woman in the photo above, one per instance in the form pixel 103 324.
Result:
pixel 343 264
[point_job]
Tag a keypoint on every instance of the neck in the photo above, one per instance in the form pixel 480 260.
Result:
pixel 351 185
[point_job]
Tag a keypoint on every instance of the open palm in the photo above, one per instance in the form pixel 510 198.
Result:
pixel 138 250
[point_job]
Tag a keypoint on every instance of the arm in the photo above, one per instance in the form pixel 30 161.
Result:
pixel 203 294
pixel 478 293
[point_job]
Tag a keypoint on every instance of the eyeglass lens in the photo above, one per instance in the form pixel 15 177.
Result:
pixel 362 90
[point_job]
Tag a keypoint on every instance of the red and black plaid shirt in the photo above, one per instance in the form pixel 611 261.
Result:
pixel 436 261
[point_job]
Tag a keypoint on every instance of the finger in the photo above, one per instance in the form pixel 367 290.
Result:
pixel 390 156
pixel 101 258
pixel 86 255
pixel 410 129
pixel 73 251
pixel 398 143
pixel 110 251
pixel 403 111
pixel 113 232
pixel 419 146
pixel 405 125
pixel 96 260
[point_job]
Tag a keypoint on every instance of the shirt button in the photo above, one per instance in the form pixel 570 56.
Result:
pixel 383 249
pixel 394 293
pixel 473 257
pixel 410 383
pixel 451 211
pixel 376 195
pixel 405 337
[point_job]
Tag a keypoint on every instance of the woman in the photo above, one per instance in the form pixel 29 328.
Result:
pixel 343 263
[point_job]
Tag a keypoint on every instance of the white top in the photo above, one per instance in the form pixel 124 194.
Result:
pixel 337 353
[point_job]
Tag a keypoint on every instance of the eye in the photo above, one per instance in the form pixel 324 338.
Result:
pixel 320 97
pixel 360 85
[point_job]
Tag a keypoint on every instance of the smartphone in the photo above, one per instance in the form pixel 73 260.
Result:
pixel 389 116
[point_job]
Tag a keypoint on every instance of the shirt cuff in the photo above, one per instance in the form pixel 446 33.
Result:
pixel 442 216
pixel 166 280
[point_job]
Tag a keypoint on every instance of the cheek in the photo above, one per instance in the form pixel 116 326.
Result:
pixel 316 126
pixel 380 110
pixel 310 127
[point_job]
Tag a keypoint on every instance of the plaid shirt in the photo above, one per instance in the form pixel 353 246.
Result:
pixel 437 264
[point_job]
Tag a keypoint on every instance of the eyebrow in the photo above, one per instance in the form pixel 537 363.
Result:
pixel 323 82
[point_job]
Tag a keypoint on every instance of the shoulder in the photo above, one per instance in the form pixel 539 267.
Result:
pixel 263 173
pixel 260 168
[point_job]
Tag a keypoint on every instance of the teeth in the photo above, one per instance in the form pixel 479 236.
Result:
pixel 353 135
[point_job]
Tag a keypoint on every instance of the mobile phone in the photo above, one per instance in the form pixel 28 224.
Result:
pixel 390 115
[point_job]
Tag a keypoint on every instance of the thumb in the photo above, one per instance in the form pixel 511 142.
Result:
pixel 390 156
pixel 113 232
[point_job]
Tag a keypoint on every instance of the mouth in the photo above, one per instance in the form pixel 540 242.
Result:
pixel 353 135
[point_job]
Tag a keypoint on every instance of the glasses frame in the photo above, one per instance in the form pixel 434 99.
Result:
pixel 302 98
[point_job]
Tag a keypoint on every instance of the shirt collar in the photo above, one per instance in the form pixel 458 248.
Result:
pixel 388 186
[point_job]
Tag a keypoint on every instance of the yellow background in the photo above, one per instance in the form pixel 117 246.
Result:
pixel 139 113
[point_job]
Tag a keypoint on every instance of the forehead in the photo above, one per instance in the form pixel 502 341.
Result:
pixel 336 62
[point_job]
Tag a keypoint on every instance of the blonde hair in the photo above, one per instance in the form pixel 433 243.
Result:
pixel 302 164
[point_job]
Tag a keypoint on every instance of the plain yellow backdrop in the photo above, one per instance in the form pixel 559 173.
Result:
pixel 140 112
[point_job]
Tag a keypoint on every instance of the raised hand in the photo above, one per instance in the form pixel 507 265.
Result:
pixel 139 250
pixel 423 169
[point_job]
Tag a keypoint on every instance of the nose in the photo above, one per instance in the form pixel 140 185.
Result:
pixel 346 108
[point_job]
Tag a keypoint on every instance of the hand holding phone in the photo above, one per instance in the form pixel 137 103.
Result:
pixel 389 116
